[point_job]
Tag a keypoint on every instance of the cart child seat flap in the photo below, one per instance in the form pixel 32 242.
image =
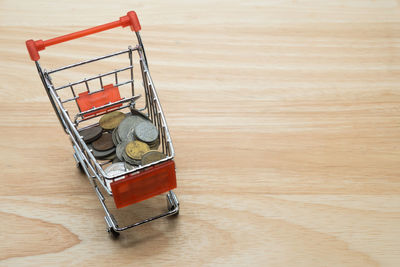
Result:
pixel 87 101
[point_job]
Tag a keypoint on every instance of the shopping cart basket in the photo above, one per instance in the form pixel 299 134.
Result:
pixel 78 105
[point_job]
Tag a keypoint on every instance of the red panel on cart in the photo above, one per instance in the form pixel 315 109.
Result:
pixel 149 183
pixel 88 101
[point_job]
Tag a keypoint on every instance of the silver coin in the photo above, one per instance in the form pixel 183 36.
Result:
pixel 131 135
pixel 126 127
pixel 114 138
pixel 146 132
pixel 117 137
pixel 129 167
pixel 120 149
pixel 115 169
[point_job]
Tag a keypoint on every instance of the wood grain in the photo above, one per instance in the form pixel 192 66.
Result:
pixel 284 117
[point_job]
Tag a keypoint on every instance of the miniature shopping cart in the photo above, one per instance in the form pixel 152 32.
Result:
pixel 78 105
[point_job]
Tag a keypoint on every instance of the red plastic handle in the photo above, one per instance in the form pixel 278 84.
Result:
pixel 130 19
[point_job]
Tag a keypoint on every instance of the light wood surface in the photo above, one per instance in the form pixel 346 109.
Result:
pixel 284 117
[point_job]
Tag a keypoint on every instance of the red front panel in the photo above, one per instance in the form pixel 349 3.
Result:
pixel 88 101
pixel 146 184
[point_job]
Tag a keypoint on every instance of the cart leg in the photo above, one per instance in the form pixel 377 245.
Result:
pixel 78 163
pixel 172 202
pixel 78 160
pixel 112 225
pixel 110 229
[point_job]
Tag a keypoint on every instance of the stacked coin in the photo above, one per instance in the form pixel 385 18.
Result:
pixel 98 142
pixel 121 150
pixel 91 134
pixel 135 150
pixel 118 167
pixel 115 169
pixel 105 142
pixel 148 133
pixel 104 146
pixel 135 126
pixel 106 154
pixel 152 156
pixel 128 140
pixel 125 130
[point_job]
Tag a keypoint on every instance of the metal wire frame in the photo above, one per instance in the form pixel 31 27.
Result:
pixel 152 108
pixel 83 155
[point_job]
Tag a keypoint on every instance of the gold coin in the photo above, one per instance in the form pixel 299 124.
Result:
pixel 111 120
pixel 136 149
pixel 152 156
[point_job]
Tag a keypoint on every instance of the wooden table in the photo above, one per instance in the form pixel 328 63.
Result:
pixel 284 117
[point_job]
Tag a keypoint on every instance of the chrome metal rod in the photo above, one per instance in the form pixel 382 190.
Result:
pixel 131 62
pixel 93 78
pixel 134 98
pixel 91 60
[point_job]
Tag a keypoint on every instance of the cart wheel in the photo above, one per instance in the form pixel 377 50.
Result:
pixel 113 233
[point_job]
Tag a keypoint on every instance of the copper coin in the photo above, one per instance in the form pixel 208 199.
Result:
pixel 105 142
pixel 101 154
pixel 91 134
pixel 111 120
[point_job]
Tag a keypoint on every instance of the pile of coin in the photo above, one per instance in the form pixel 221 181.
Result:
pixel 130 138
pixel 99 142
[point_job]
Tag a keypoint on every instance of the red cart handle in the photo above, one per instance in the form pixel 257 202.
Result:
pixel 130 19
